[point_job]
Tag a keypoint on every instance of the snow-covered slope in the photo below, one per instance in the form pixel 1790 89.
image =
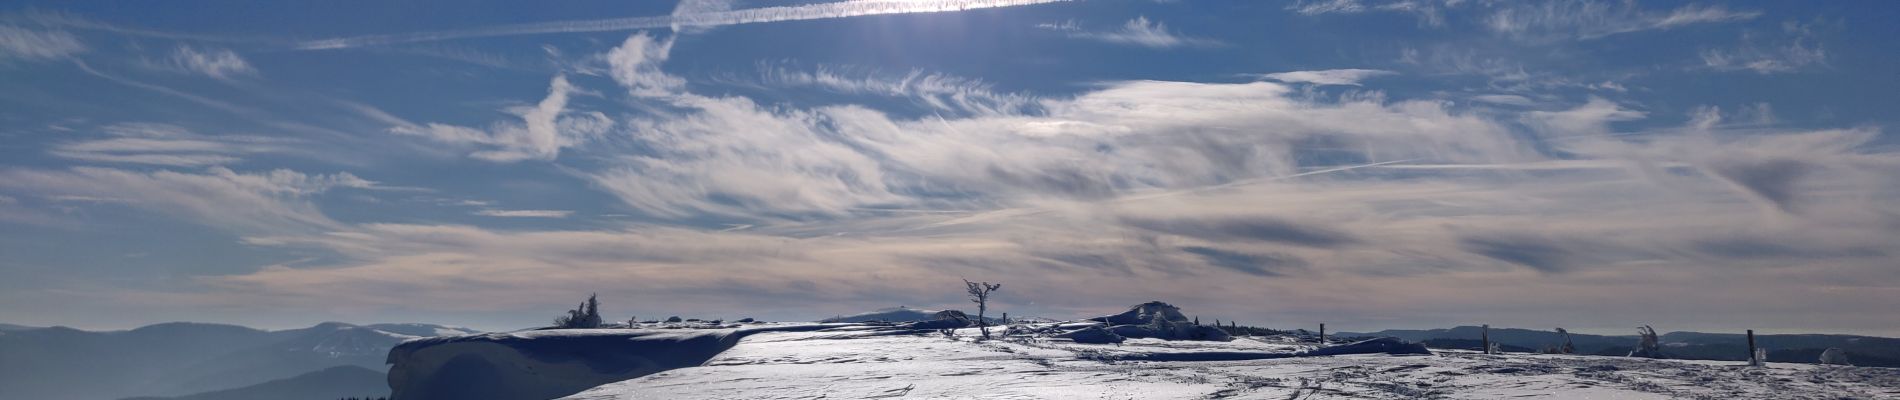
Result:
pixel 545 364
pixel 869 365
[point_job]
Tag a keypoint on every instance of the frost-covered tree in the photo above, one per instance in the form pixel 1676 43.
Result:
pixel 980 294
pixel 1834 356
pixel 1649 346
pixel 1564 347
pixel 584 316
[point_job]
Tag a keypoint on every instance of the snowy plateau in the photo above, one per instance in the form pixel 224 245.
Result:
pixel 1167 357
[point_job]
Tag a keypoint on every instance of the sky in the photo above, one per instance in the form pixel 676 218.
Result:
pixel 1369 164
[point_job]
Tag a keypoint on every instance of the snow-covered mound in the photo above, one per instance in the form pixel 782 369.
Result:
pixel 1159 320
pixel 1144 313
pixel 546 364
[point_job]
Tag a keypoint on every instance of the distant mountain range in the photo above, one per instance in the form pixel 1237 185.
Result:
pixel 329 384
pixel 1866 351
pixel 898 314
pixel 180 359
pixel 12 327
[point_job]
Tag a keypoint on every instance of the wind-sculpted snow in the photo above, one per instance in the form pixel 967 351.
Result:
pixel 545 364
pixel 1384 345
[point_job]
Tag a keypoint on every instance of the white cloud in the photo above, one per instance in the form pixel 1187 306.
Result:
pixel 1799 51
pixel 693 16
pixel 1505 99
pixel 215 63
pixel 540 135
pixel 1590 19
pixel 731 157
pixel 1429 12
pixel 1204 194
pixel 168 145
pixel 1776 171
pixel 1698 14
pixel 274 201
pixel 1125 192
pixel 1316 7
pixel 18 43
pixel 1064 26
pixel 525 213
pixel 1350 77
pixel 1430 241
pixel 1541 20
pixel 636 65
pixel 1138 32
pixel 939 92
pixel 1590 119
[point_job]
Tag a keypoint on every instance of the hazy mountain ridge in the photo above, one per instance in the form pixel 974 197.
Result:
pixel 182 358
pixel 900 314
pixel 327 384
pixel 1804 348
pixel 12 327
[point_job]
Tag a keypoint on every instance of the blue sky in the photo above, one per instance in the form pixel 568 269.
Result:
pixel 1369 164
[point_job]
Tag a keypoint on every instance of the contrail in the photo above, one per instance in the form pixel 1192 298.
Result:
pixel 843 9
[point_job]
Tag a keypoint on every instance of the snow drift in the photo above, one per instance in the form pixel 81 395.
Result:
pixel 547 364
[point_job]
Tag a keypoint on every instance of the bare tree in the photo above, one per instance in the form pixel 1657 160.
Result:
pixel 980 294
